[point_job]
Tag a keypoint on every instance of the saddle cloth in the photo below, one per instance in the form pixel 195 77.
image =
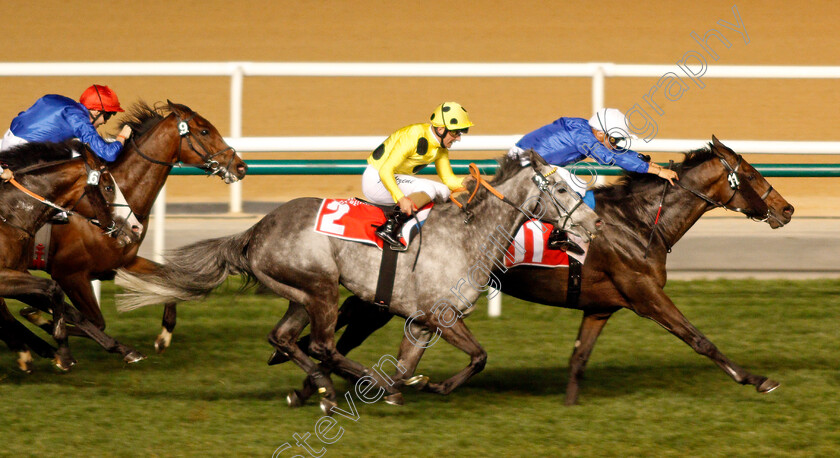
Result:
pixel 529 247
pixel 356 220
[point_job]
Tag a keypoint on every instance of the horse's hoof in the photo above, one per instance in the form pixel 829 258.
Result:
pixel 418 381
pixel 133 356
pixel 294 399
pixel 767 386
pixel 64 365
pixel 395 399
pixel 163 340
pixel 278 357
pixel 25 362
pixel 34 316
pixel 327 407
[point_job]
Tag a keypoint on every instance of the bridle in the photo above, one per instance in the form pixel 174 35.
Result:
pixel 93 178
pixel 211 166
pixel 540 181
pixel 750 195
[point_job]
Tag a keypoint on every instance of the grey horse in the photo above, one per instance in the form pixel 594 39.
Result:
pixel 283 253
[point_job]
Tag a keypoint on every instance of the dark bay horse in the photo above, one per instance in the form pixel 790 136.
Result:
pixel 46 172
pixel 284 253
pixel 162 138
pixel 625 266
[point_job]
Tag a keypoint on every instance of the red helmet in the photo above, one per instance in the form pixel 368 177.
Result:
pixel 102 98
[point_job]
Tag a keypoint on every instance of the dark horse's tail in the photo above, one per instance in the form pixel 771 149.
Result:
pixel 190 273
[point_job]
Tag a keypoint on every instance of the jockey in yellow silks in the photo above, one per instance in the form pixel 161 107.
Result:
pixel 389 177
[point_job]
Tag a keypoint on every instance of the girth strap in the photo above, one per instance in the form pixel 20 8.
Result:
pixel 387 274
pixel 575 279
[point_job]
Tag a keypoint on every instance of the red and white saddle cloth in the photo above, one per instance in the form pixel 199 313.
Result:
pixel 352 219
pixel 529 247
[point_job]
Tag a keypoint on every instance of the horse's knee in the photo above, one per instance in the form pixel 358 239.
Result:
pixel 322 351
pixel 480 360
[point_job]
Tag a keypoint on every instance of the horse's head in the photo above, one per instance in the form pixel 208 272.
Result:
pixel 559 203
pixel 742 188
pixel 100 193
pixel 203 146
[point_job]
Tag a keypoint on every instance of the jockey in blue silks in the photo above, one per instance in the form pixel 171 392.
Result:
pixel 570 140
pixel 55 118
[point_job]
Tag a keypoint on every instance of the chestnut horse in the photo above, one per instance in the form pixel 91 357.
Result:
pixel 162 138
pixel 625 265
pixel 46 174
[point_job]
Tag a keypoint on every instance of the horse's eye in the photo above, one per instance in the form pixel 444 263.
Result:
pixel 751 177
pixel 204 132
pixel 561 190
pixel 109 188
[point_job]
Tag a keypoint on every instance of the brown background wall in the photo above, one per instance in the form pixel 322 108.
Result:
pixel 652 32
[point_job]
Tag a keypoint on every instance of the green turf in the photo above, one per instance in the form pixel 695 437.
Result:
pixel 645 394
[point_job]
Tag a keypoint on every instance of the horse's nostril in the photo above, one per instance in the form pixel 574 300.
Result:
pixel 598 223
pixel 788 211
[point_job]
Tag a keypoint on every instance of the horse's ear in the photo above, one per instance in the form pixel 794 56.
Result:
pixel 175 108
pixel 719 148
pixel 536 159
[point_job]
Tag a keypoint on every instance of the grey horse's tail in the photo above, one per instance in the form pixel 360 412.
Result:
pixel 190 272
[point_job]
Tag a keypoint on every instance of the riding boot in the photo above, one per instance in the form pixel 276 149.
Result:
pixel 60 218
pixel 559 240
pixel 390 230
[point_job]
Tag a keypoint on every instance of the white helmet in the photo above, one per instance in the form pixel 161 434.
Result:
pixel 612 122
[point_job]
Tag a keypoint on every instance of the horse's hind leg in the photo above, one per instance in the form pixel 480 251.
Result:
pixel 590 328
pixel 362 319
pixel 164 339
pixel 283 337
pixel 143 266
pixel 324 317
pixel 657 306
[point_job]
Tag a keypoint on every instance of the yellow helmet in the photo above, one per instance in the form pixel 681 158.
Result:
pixel 452 116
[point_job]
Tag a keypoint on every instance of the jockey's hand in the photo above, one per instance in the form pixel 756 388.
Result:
pixel 124 134
pixel 663 173
pixel 7 175
pixel 406 205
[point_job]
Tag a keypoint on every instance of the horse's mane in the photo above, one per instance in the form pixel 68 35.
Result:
pixel 637 184
pixel 34 153
pixel 142 117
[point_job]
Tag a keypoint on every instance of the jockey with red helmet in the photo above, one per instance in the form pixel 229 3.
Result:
pixel 55 118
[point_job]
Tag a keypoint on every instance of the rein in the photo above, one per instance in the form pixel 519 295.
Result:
pixel 92 181
pixel 735 185
pixel 539 180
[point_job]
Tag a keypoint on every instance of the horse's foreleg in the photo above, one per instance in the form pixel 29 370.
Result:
pixel 140 265
pixel 657 306
pixel 459 336
pixel 590 328
pixel 20 340
pixel 88 319
pixel 44 294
